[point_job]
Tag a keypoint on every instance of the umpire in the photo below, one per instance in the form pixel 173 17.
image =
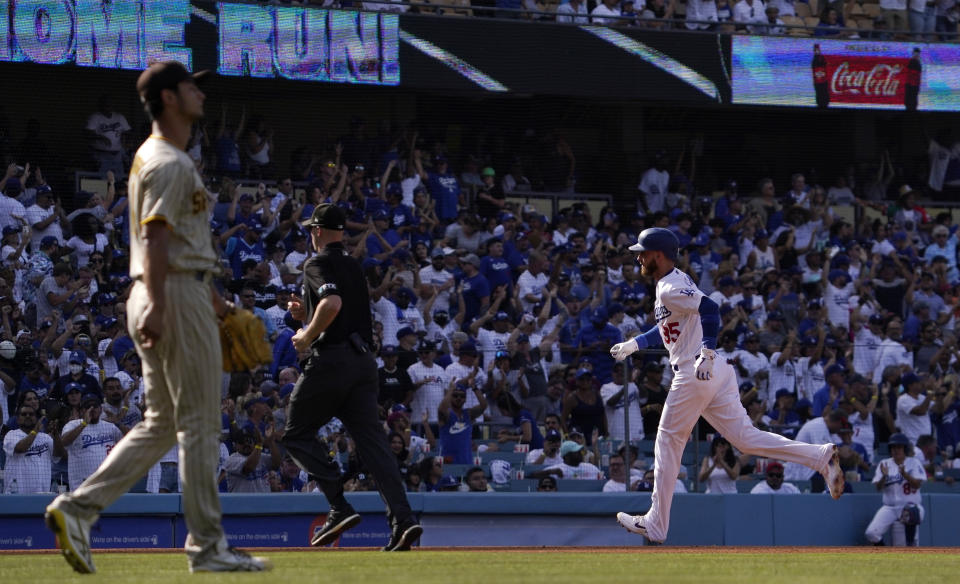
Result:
pixel 340 379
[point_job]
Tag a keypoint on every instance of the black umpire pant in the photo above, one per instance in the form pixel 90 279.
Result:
pixel 337 381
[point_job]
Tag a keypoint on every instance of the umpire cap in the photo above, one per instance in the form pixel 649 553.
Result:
pixel 658 239
pixel 327 216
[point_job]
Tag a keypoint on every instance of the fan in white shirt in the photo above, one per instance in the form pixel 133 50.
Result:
pixel 913 408
pixel 573 466
pixel 774 484
pixel 429 382
pixel 816 431
pixel 606 13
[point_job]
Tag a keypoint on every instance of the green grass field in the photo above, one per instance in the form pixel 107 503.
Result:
pixel 553 566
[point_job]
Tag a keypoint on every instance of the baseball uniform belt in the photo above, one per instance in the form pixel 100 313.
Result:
pixel 198 275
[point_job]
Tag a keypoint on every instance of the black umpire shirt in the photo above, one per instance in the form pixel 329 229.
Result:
pixel 333 272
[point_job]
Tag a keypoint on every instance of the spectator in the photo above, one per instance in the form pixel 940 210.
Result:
pixel 607 13
pixel 106 129
pixel 653 185
pixel 549 455
pixel 88 440
pixel 618 477
pixel 913 410
pixel 574 11
pixel 474 289
pixel 572 466
pixel 475 481
pixel 45 217
pixel 721 469
pixel 30 452
pixel 456 423
pixel 547 485
pixel 750 13
pixel 613 398
pixel 395 384
pixel 892 351
pixel 247 468
pixel 894 13
pixel 428 381
pixel 584 407
pixel 701 15
pixel 829 396
pixel 829 25
pixel 946 417
pixel 774 485
pixel 822 428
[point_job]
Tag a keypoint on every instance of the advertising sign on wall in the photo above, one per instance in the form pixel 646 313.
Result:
pixel 845 73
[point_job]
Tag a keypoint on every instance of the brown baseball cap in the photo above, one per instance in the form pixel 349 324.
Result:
pixel 327 216
pixel 162 75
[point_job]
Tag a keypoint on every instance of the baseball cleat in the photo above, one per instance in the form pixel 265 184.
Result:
pixel 230 560
pixel 73 537
pixel 403 537
pixel 633 524
pixel 337 522
pixel 834 475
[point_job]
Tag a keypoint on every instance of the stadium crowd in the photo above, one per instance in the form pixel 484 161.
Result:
pixel 493 321
pixel 924 19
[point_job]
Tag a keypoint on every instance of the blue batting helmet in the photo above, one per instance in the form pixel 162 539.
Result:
pixel 658 239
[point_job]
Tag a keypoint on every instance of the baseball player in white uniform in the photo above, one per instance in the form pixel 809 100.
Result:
pixel 171 317
pixel 687 325
pixel 899 479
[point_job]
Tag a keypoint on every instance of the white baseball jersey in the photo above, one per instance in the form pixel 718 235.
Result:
pixel 530 284
pixel 89 449
pixel 866 349
pixel 837 301
pixel 28 472
pixel 912 425
pixel 677 311
pixel 863 433
pixel 437 278
pixel 584 470
pixel 489 343
pixel 615 413
pixel 896 489
pixel 764 488
pixel 428 396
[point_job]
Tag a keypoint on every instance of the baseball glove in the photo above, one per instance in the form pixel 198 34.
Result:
pixel 910 515
pixel 243 339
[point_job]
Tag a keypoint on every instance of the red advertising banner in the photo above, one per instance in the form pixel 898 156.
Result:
pixel 866 79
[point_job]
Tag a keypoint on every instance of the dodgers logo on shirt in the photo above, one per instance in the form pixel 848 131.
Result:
pixel 687 292
pixel 661 312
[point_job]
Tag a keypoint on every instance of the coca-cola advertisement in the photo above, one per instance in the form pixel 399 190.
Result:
pixel 846 74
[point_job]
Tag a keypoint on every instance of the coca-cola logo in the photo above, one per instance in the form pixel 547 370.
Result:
pixel 855 79
pixel 879 80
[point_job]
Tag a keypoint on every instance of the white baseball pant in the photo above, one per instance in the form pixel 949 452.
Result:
pixel 888 517
pixel 718 401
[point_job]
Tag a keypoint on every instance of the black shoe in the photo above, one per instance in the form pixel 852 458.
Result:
pixel 403 537
pixel 338 521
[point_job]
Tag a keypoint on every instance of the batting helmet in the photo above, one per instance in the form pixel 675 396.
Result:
pixel 658 239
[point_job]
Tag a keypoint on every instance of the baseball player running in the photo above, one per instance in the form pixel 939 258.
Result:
pixel 899 478
pixel 687 325
pixel 171 316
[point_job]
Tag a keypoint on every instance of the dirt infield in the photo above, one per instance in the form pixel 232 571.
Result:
pixel 662 549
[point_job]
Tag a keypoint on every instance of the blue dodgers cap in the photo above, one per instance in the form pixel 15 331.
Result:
pixel 834 274
pixel 553 435
pixel 782 392
pixel 522 338
pixel 381 214
pixel 501 316
pixel 285 390
pixel 448 481
pixel 388 350
pixel 74 386
pixel 727 281
pixel 399 408
pixel 584 372
pixel 761 234
pixel 48 240
pixel 78 356
pixel 899 236
pixel 599 315
pixel 702 240
pixel 802 404
pixel 468 348
pixel 569 446
pixel 405 331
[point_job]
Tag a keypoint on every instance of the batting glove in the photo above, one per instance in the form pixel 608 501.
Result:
pixel 621 351
pixel 705 364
